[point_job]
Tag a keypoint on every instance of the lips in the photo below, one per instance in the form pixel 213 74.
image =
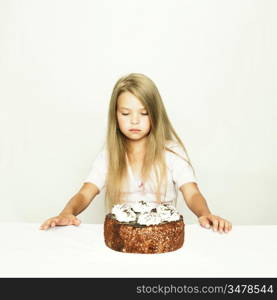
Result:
pixel 134 130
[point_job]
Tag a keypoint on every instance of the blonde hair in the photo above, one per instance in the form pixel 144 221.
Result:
pixel 161 131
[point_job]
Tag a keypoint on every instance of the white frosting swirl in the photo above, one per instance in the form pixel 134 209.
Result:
pixel 149 218
pixel 168 213
pixel 145 213
pixel 142 206
pixel 124 213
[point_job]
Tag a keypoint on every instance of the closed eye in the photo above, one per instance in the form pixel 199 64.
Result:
pixel 144 114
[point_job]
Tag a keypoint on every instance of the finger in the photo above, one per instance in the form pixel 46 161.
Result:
pixel 52 222
pixel 75 221
pixel 230 226
pixel 226 226
pixel 57 221
pixel 206 225
pixel 221 225
pixel 215 224
pixel 204 222
pixel 45 225
pixel 42 226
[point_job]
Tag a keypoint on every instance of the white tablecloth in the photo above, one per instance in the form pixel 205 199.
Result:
pixel 70 251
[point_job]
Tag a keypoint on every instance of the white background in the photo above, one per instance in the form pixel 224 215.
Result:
pixel 214 63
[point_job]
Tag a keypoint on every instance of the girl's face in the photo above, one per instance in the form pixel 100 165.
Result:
pixel 131 114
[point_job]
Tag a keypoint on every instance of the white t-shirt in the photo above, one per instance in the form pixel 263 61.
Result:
pixel 178 173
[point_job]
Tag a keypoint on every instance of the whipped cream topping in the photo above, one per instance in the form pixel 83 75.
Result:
pixel 168 213
pixel 143 206
pixel 145 213
pixel 149 218
pixel 124 213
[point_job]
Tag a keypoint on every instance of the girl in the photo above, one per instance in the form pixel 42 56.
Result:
pixel 143 158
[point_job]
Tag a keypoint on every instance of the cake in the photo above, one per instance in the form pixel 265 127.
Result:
pixel 144 228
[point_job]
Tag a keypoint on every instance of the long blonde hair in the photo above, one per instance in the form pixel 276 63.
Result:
pixel 161 131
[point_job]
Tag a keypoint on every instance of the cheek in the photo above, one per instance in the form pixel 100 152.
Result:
pixel 147 123
pixel 121 122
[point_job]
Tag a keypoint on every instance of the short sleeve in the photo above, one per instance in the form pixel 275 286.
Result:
pixel 98 171
pixel 181 170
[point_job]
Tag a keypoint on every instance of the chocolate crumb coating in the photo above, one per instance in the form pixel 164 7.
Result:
pixel 135 238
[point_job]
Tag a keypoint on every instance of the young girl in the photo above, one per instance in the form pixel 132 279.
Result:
pixel 143 159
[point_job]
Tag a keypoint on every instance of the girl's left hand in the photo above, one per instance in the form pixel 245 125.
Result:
pixel 217 223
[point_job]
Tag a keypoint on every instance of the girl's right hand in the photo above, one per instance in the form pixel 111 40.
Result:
pixel 60 220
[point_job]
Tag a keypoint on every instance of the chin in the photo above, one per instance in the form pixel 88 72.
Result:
pixel 136 138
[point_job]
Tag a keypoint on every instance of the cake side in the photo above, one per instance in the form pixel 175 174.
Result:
pixel 134 238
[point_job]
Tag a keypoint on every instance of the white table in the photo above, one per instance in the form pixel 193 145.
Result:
pixel 70 251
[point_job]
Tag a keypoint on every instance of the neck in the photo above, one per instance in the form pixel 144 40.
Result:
pixel 136 147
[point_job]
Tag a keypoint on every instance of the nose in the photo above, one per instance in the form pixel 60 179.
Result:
pixel 135 119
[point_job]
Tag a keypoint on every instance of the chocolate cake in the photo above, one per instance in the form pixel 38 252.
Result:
pixel 144 228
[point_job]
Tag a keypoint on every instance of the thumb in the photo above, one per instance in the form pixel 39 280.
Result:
pixel 204 222
pixel 76 222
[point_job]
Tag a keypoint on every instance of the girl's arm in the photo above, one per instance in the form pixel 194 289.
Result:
pixel 81 200
pixel 198 205
pixel 75 206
